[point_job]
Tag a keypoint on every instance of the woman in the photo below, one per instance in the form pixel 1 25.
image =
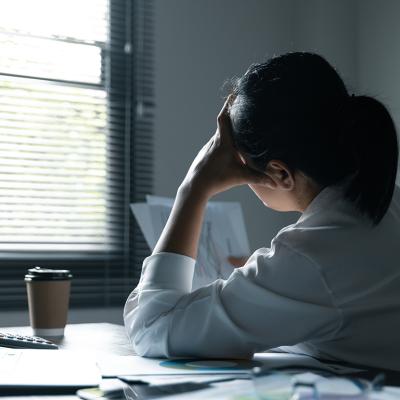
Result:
pixel 330 283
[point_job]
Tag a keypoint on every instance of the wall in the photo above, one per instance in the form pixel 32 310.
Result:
pixel 378 52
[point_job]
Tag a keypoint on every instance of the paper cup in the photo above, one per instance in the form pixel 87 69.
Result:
pixel 48 299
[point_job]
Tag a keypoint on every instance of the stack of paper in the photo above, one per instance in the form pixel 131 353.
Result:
pixel 229 379
pixel 223 235
pixel 113 366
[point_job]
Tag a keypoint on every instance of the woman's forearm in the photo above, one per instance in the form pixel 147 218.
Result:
pixel 182 231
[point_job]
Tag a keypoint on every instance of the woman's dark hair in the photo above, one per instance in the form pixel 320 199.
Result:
pixel 296 108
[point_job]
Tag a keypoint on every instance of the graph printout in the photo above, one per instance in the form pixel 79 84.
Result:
pixel 223 234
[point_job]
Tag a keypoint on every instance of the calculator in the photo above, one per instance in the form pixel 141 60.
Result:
pixel 25 342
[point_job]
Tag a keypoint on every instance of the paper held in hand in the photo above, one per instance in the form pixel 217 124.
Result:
pixel 223 234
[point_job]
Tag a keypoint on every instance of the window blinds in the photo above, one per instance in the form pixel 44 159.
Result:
pixel 53 127
pixel 75 142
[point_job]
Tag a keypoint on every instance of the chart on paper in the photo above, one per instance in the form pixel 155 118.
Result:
pixel 210 365
pixel 223 234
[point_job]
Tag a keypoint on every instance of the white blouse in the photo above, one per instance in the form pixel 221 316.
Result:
pixel 329 284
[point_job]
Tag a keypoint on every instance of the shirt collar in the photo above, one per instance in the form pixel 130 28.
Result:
pixel 323 201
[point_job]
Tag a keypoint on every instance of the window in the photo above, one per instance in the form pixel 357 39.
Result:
pixel 75 142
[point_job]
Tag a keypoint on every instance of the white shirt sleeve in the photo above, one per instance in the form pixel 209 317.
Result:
pixel 278 298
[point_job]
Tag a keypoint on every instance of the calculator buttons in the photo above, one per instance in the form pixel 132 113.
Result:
pixel 25 342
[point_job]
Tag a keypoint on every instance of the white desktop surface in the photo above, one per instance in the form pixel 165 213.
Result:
pixel 95 340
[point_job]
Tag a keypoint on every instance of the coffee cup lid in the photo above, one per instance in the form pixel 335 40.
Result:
pixel 45 274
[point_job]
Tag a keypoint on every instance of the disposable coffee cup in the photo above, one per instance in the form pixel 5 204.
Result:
pixel 48 299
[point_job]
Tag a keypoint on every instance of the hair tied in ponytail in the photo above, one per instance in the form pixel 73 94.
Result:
pixel 334 136
pixel 372 141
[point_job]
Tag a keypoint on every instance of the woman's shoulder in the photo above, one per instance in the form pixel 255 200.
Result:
pixel 285 271
pixel 322 240
pixel 330 220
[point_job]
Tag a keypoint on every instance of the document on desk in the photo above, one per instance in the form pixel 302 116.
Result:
pixel 113 366
pixel 223 234
pixel 47 370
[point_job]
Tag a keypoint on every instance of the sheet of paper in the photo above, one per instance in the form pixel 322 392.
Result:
pixel 223 234
pixel 174 379
pixel 113 366
pixel 142 214
pixel 47 368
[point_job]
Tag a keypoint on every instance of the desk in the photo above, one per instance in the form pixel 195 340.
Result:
pixel 98 339
pixel 108 339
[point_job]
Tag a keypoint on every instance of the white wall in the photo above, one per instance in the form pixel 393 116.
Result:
pixel 378 52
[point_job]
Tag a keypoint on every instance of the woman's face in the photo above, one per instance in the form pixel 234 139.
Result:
pixel 277 196
pixel 273 199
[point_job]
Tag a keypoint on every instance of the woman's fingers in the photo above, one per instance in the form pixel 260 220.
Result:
pixel 225 108
pixel 237 262
pixel 224 122
pixel 224 136
pixel 251 176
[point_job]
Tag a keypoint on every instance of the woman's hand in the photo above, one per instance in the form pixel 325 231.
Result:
pixel 218 166
pixel 237 262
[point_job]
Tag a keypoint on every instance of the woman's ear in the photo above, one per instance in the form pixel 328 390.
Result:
pixel 281 174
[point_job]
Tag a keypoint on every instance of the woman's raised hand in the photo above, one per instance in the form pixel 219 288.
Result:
pixel 218 166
